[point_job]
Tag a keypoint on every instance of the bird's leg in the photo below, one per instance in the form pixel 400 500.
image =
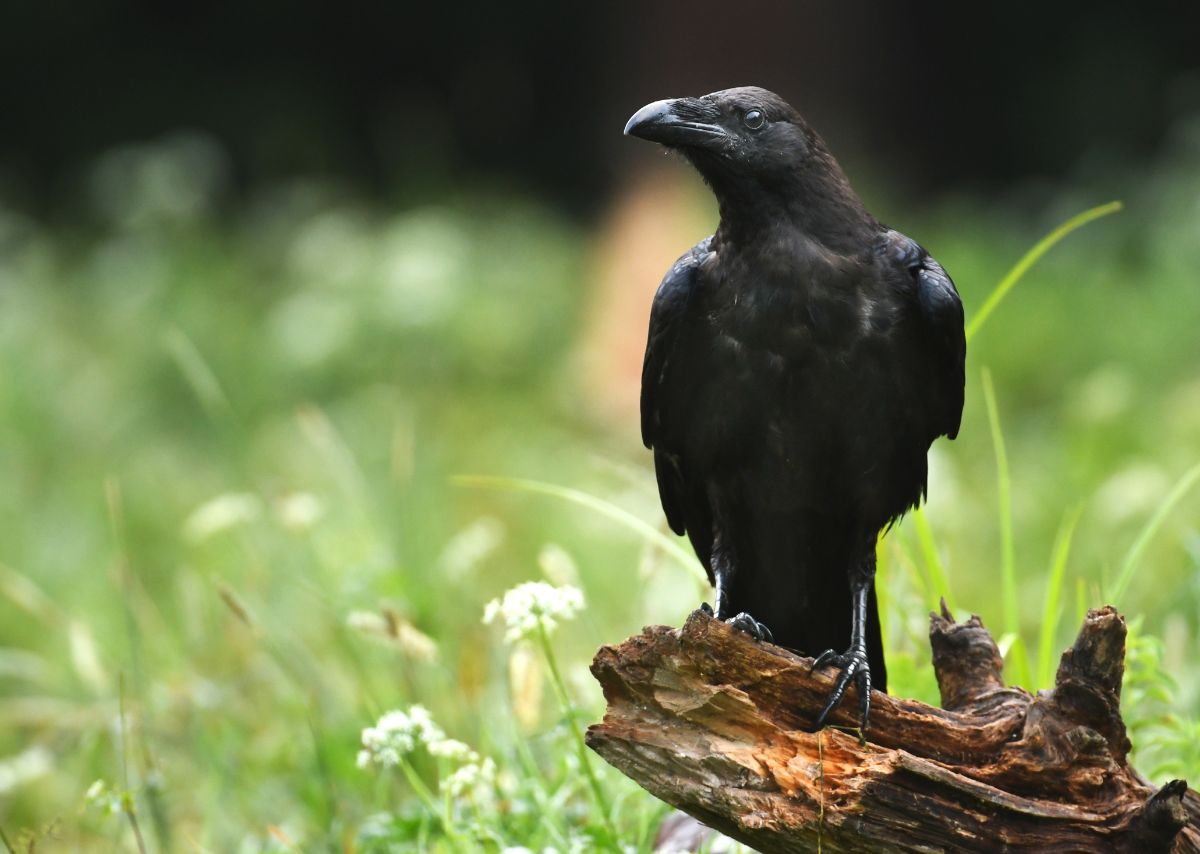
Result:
pixel 853 661
pixel 723 569
pixel 722 565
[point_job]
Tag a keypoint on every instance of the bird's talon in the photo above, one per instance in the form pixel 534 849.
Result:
pixel 745 623
pixel 706 608
pixel 856 669
pixel 823 659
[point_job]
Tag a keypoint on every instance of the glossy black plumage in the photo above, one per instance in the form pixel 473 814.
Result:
pixel 800 362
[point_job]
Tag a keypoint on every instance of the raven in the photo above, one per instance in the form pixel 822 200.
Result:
pixel 801 361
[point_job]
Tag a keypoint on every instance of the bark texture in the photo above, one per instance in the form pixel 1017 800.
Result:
pixel 718 725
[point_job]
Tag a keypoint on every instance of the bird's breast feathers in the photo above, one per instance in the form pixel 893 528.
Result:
pixel 800 314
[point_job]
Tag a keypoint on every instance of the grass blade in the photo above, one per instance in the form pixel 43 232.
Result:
pixel 1032 257
pixel 1008 571
pixel 909 563
pixel 933 562
pixel 1081 607
pixel 1054 585
pixel 199 375
pixel 585 499
pixel 1114 592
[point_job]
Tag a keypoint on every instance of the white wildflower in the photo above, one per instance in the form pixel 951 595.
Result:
pixel 85 655
pixel 581 845
pixel 28 765
pixel 470 778
pixel 98 795
pixel 557 565
pixel 470 547
pixel 220 514
pixel 1132 491
pixel 299 511
pixel 368 623
pixel 525 682
pixel 532 606
pixel 454 750
pixel 397 734
pixel 422 721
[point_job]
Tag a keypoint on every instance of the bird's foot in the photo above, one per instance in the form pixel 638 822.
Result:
pixel 854 669
pixel 744 622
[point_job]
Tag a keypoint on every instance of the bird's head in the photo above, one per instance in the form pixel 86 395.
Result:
pixel 759 156
pixel 747 132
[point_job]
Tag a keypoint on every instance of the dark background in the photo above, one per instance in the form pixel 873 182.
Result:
pixel 404 100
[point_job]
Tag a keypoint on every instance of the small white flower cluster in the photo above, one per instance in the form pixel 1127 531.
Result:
pixel 299 511
pixel 474 776
pixel 557 565
pixel 398 734
pixel 533 605
pixel 454 750
pixel 470 547
pixel 220 514
pixel 16 771
pixel 103 798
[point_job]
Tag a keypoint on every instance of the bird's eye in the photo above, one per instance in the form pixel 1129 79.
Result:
pixel 754 119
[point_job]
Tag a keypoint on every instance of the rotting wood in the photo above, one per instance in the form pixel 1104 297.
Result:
pixel 717 725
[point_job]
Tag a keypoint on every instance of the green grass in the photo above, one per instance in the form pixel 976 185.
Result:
pixel 1023 266
pixel 231 537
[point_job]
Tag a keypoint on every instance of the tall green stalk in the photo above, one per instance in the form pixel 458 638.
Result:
pixel 434 808
pixel 585 763
pixel 933 561
pixel 1052 607
pixel 1008 572
pixel 1032 257
pixel 1116 591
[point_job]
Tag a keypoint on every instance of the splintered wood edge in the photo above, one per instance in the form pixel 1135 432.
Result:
pixel 715 724
pixel 792 693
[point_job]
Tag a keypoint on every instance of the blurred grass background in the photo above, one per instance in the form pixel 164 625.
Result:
pixel 231 418
pixel 222 438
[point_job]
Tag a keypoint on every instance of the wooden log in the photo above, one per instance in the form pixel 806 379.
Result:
pixel 719 726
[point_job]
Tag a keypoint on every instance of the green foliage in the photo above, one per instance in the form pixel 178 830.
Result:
pixel 1048 631
pixel 1008 569
pixel 227 450
pixel 1030 258
pixel 1165 741
pixel 1116 591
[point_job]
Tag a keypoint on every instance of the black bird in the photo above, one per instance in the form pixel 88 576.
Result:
pixel 801 361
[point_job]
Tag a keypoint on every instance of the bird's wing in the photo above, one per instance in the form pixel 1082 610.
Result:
pixel 668 317
pixel 941 313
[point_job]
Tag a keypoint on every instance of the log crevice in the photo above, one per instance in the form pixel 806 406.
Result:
pixel 719 726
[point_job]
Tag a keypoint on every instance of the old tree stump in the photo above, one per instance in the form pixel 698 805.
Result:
pixel 717 725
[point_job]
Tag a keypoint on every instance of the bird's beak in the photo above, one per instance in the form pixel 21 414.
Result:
pixel 679 123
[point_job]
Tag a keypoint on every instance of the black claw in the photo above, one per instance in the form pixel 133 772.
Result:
pixel 854 669
pixel 823 659
pixel 744 622
pixel 706 608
